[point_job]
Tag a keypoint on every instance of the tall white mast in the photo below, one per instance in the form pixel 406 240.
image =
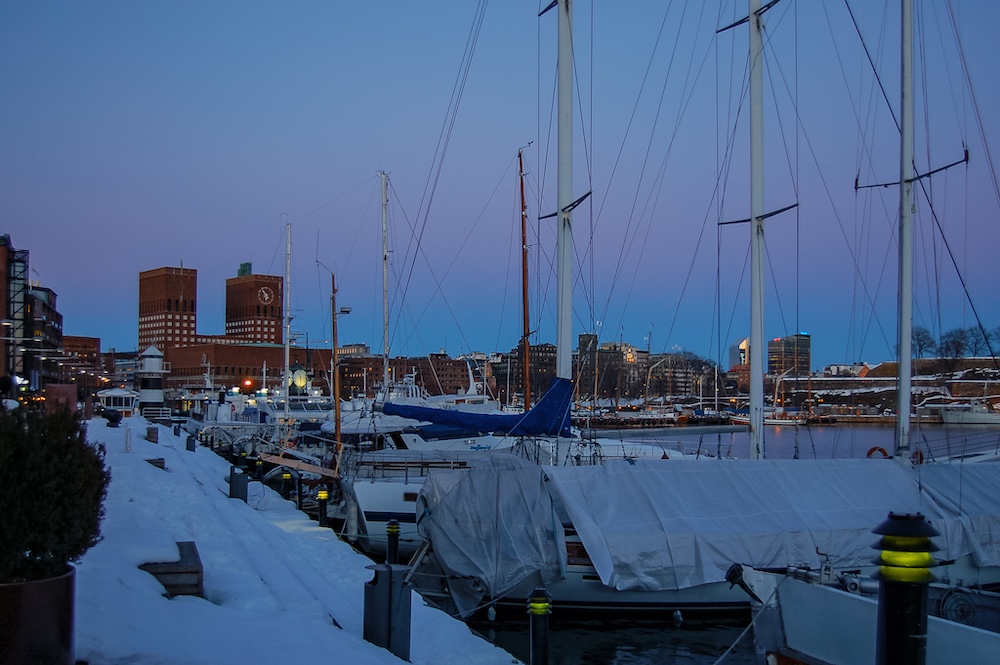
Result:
pixel 564 243
pixel 385 284
pixel 905 229
pixel 757 356
pixel 288 317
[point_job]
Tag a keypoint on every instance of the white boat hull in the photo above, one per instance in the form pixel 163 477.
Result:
pixel 951 417
pixel 737 419
pixel 582 591
pixel 814 619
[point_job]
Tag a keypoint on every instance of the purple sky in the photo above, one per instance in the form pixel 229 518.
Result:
pixel 143 134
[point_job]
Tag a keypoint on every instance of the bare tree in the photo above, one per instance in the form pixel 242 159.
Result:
pixel 954 343
pixel 922 341
pixel 978 342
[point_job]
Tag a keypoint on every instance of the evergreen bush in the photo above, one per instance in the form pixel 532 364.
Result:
pixel 52 489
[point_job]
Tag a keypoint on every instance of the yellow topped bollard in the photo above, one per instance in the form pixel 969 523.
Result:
pixel 904 572
pixel 392 541
pixel 539 609
pixel 322 496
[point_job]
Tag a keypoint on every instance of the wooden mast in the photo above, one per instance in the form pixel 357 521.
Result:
pixel 525 344
pixel 334 364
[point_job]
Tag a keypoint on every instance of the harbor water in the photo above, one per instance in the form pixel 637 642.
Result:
pixel 656 640
pixel 642 640
pixel 831 441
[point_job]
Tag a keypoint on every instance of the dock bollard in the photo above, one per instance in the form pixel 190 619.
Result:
pixel 392 541
pixel 238 485
pixel 321 497
pixel 904 572
pixel 539 609
pixel 298 492
pixel 259 469
pixel 286 486
pixel 191 443
pixel 387 609
pixel 177 429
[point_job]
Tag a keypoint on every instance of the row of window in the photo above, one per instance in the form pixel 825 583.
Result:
pixel 167 304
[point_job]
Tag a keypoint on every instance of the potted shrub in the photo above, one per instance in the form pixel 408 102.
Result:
pixel 52 489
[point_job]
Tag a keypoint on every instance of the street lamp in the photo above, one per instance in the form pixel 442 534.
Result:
pixel 335 314
pixel 32 347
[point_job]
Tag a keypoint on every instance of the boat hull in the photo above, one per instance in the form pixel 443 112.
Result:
pixel 969 418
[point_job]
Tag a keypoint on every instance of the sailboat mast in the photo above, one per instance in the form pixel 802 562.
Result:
pixel 905 229
pixel 757 369
pixel 385 283
pixel 525 344
pixel 288 318
pixel 334 364
pixel 564 243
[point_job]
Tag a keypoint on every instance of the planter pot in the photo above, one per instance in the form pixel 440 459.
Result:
pixel 36 620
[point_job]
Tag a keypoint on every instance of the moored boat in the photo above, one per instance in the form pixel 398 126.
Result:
pixel 970 413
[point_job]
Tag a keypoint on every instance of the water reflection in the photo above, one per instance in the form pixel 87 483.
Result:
pixel 635 641
pixel 829 442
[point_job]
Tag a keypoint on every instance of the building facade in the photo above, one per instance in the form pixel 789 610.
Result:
pixel 42 350
pixel 168 308
pixel 31 328
pixel 507 371
pixel 789 355
pixel 82 363
pixel 14 300
pixel 255 307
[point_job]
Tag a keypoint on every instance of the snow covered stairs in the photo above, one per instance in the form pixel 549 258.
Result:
pixel 180 578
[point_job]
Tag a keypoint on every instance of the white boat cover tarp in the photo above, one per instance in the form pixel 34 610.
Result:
pixel 671 525
pixel 493 524
pixel 971 493
pixel 656 525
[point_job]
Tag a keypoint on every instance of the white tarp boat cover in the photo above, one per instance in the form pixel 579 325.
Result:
pixel 493 525
pixel 655 525
pixel 971 493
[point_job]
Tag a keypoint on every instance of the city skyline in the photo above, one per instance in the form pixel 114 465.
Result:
pixel 153 135
pixel 736 351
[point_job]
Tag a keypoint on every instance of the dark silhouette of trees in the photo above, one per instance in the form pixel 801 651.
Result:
pixel 979 341
pixel 921 342
pixel 954 343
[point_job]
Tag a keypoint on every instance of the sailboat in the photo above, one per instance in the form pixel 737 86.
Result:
pixel 775 416
pixel 652 536
pixel 804 614
pixel 974 412
pixel 364 422
pixel 414 433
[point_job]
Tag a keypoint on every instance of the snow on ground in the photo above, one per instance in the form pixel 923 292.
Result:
pixel 276 585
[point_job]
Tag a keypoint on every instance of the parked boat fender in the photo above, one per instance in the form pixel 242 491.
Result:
pixel 880 449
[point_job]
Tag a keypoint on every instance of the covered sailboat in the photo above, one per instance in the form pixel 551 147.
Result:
pixel 550 417
pixel 644 535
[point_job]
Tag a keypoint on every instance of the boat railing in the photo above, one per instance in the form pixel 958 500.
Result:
pixel 405 468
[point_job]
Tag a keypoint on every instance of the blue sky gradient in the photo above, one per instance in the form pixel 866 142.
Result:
pixel 143 134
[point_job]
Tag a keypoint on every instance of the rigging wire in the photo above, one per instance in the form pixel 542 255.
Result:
pixel 980 125
pixel 961 278
pixel 444 137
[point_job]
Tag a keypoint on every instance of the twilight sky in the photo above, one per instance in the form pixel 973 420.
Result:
pixel 144 134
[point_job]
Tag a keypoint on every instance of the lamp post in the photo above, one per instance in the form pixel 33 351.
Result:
pixel 335 314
